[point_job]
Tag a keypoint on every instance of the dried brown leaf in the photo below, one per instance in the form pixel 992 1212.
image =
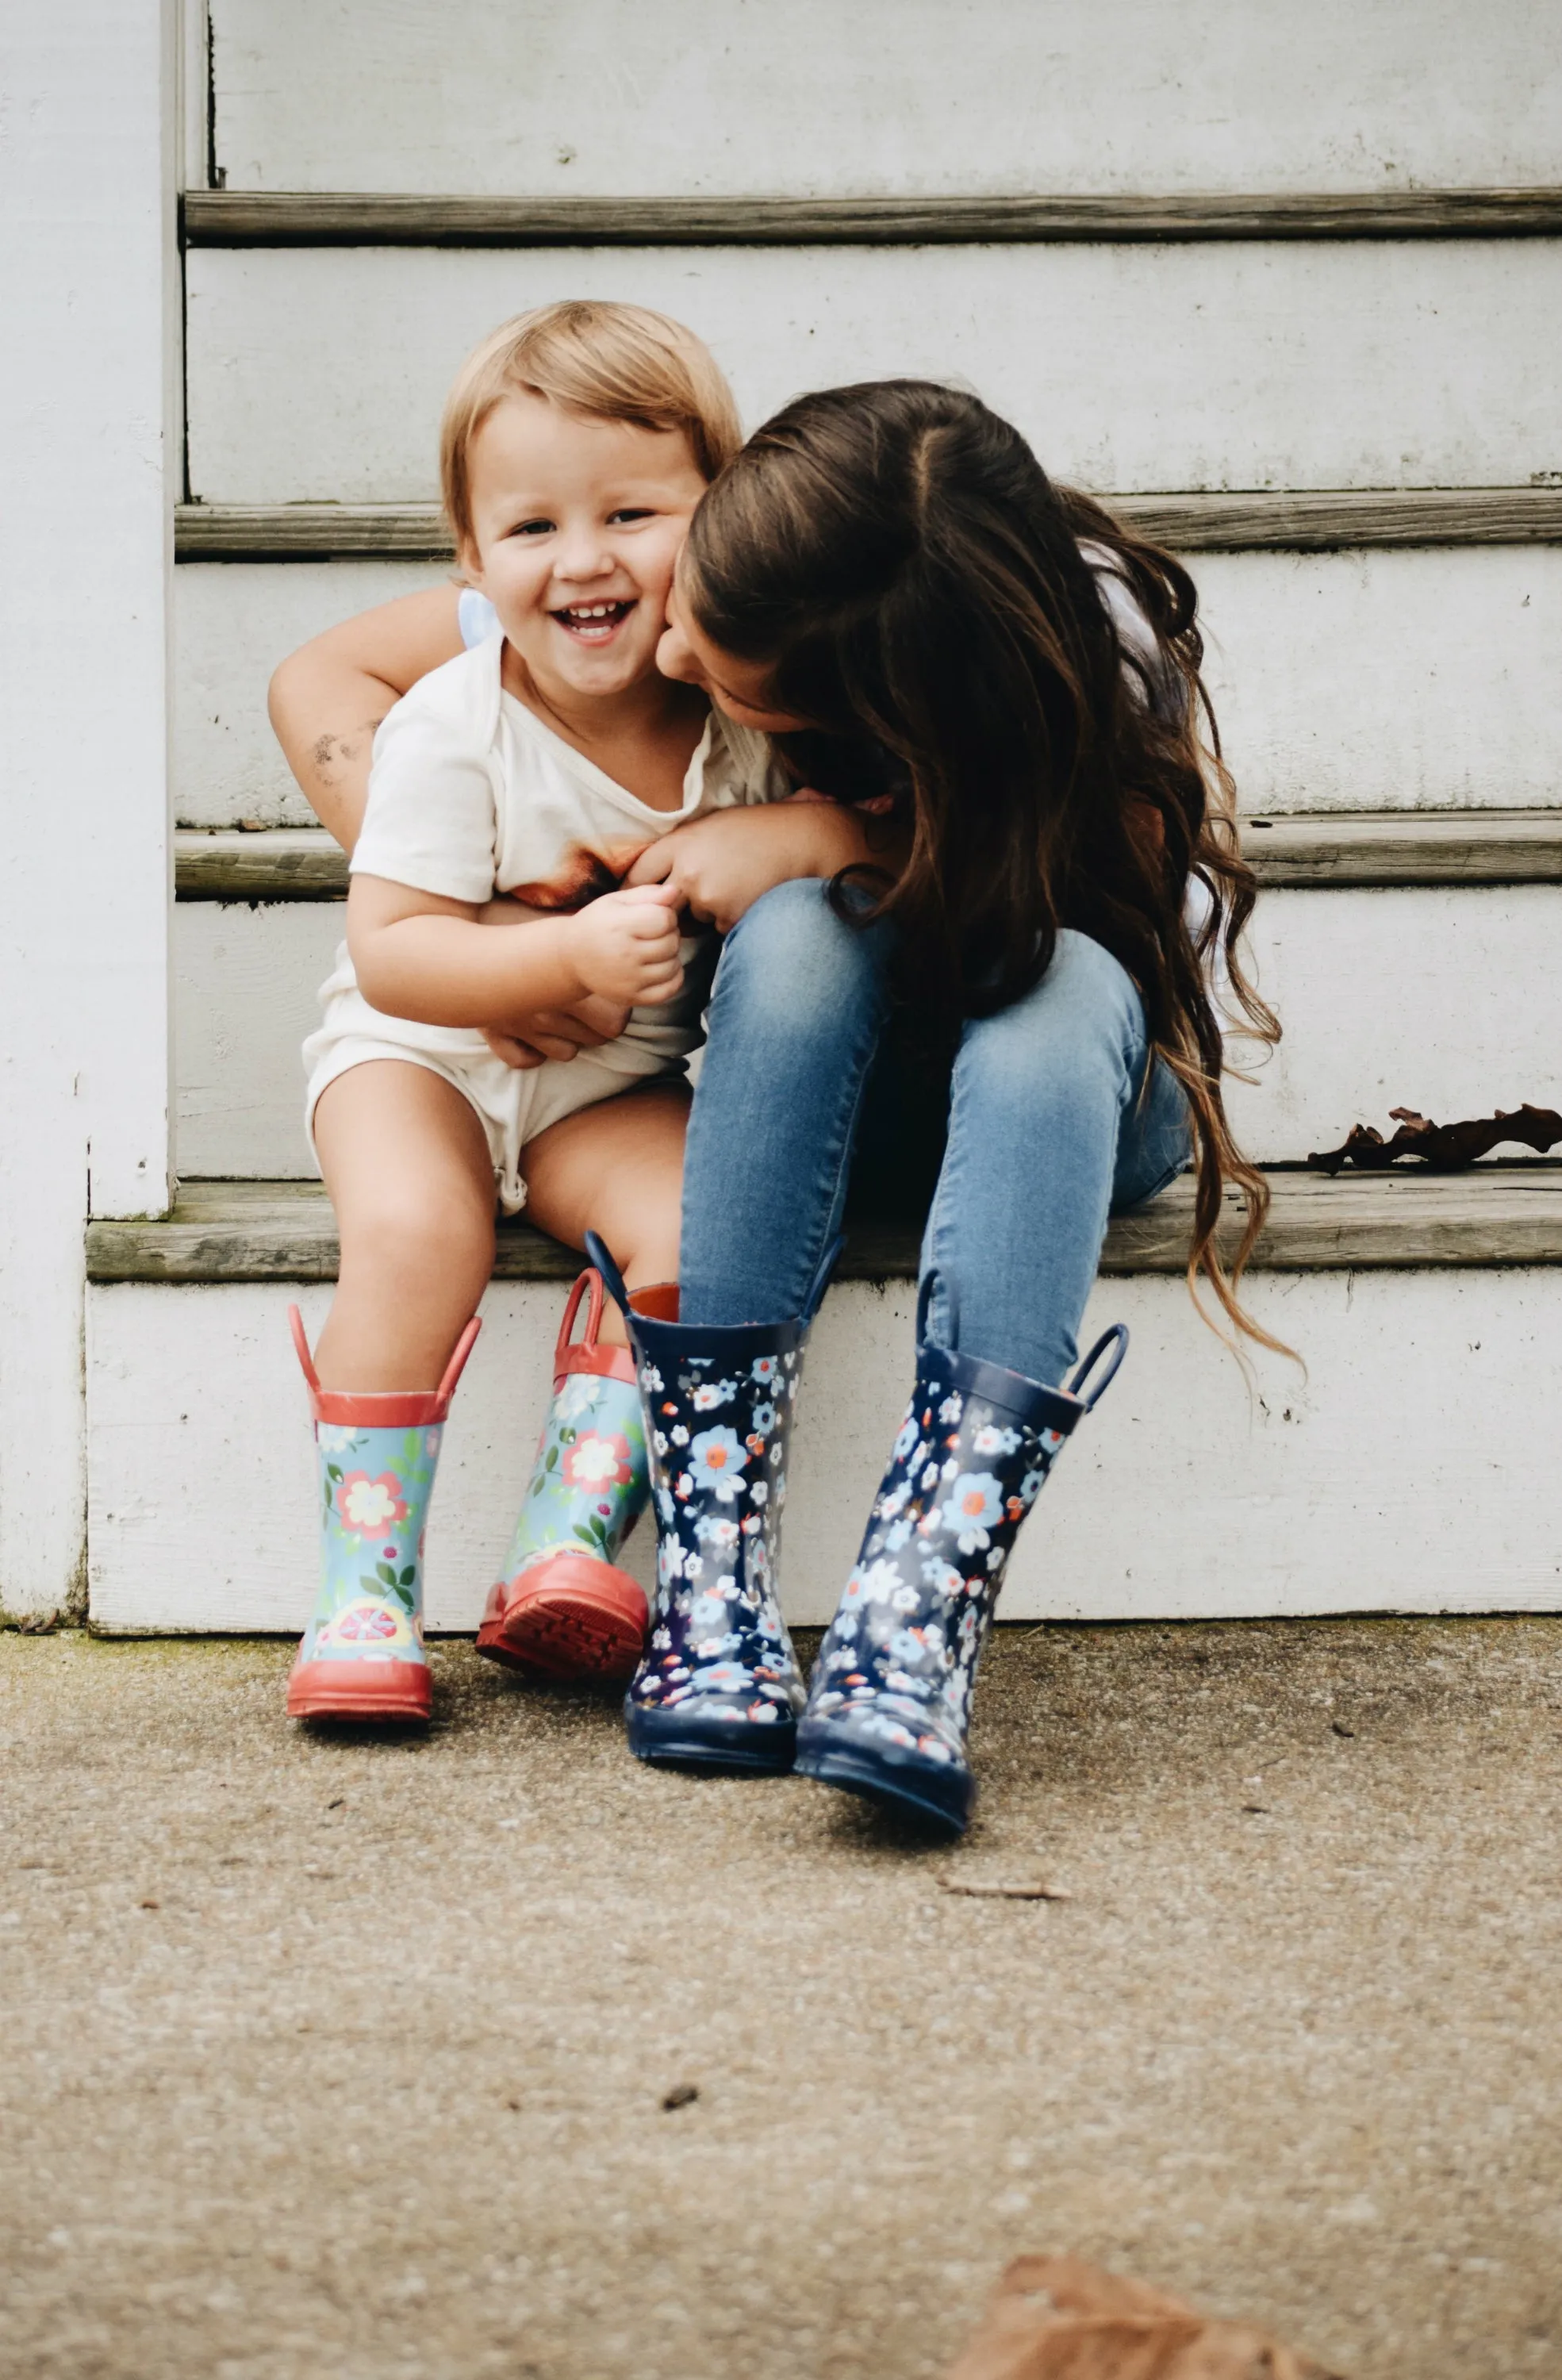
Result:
pixel 1058 2318
pixel 1442 1148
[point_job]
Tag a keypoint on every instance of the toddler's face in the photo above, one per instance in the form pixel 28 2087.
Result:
pixel 579 523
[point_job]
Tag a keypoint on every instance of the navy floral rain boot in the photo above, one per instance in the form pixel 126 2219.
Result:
pixel 889 1701
pixel 718 1686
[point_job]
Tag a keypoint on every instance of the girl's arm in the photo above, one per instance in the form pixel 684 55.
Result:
pixel 718 865
pixel 329 697
pixel 418 956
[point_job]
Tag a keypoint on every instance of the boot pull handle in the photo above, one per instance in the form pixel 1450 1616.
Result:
pixel 589 1285
pixel 301 1348
pixel 930 1280
pixel 458 1363
pixel 820 1282
pixel 597 1252
pixel 452 1370
pixel 1117 1340
pixel 614 1279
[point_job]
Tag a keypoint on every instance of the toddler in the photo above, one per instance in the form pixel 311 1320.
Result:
pixel 519 782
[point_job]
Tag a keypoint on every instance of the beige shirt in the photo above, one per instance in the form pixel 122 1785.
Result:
pixel 470 794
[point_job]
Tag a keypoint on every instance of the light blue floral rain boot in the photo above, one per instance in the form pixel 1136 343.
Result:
pixel 563 1606
pixel 362 1656
pixel 718 1686
pixel 890 1700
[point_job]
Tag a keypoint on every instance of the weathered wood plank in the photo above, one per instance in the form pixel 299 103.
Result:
pixel 1407 847
pixel 280 864
pixel 309 533
pixel 1318 847
pixel 381 219
pixel 1493 1215
pixel 318 374
pixel 1306 521
pixel 885 97
pixel 1330 673
pixel 1404 997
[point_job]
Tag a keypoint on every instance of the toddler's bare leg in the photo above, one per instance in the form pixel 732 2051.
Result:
pixel 407 1166
pixel 616 1168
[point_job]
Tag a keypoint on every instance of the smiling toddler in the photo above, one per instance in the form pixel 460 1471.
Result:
pixel 530 773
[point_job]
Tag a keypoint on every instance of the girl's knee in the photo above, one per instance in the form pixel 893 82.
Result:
pixel 1083 1022
pixel 793 952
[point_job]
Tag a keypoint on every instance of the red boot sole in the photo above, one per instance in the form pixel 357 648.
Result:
pixel 567 1617
pixel 360 1690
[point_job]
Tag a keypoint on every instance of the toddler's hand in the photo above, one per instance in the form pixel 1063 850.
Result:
pixel 626 945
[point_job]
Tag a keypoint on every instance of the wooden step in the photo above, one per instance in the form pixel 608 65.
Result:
pixel 394 219
pixel 1334 849
pixel 1302 520
pixel 1491 1215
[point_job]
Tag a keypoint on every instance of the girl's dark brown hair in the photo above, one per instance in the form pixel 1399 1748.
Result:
pixel 896 560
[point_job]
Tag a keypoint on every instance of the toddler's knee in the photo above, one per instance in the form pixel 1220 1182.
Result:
pixel 403 1245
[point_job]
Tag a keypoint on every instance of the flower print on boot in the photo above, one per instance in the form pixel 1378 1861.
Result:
pixel 718 1686
pixel 890 1700
pixel 362 1656
pixel 563 1606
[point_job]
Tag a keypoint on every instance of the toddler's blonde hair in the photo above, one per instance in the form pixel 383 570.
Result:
pixel 614 363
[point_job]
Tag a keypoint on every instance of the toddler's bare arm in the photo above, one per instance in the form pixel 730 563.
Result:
pixel 420 956
pixel 329 697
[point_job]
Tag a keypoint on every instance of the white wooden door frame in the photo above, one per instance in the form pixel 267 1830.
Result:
pixel 91 466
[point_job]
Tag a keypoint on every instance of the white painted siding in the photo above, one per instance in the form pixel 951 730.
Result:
pixel 319 375
pixel 804 96
pixel 233 623
pixel 1417 679
pixel 1414 1470
pixel 1449 1002
pixel 88 450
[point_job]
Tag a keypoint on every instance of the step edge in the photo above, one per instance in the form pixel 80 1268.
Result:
pixel 1221 520
pixel 1498 1215
pixel 348 218
pixel 1301 848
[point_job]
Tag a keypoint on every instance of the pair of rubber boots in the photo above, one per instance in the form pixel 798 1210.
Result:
pixel 562 1606
pixel 887 1712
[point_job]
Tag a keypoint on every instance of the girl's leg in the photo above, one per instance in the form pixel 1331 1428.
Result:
pixel 795 1016
pixel 1048 1133
pixel 411 1179
pixel 561 1604
pixel 407 1165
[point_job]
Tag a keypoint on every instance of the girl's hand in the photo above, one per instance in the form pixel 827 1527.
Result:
pixel 716 867
pixel 561 1033
pixel 624 946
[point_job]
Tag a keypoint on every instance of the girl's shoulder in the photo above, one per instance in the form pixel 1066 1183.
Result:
pixel 1152 669
pixel 742 764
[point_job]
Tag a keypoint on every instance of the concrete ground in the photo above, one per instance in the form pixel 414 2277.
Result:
pixel 358 2057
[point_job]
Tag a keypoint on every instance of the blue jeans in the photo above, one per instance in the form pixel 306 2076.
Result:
pixel 1037 1133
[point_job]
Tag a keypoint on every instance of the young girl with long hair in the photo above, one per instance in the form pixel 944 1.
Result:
pixel 887 581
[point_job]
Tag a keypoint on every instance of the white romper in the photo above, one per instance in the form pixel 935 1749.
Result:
pixel 471 794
